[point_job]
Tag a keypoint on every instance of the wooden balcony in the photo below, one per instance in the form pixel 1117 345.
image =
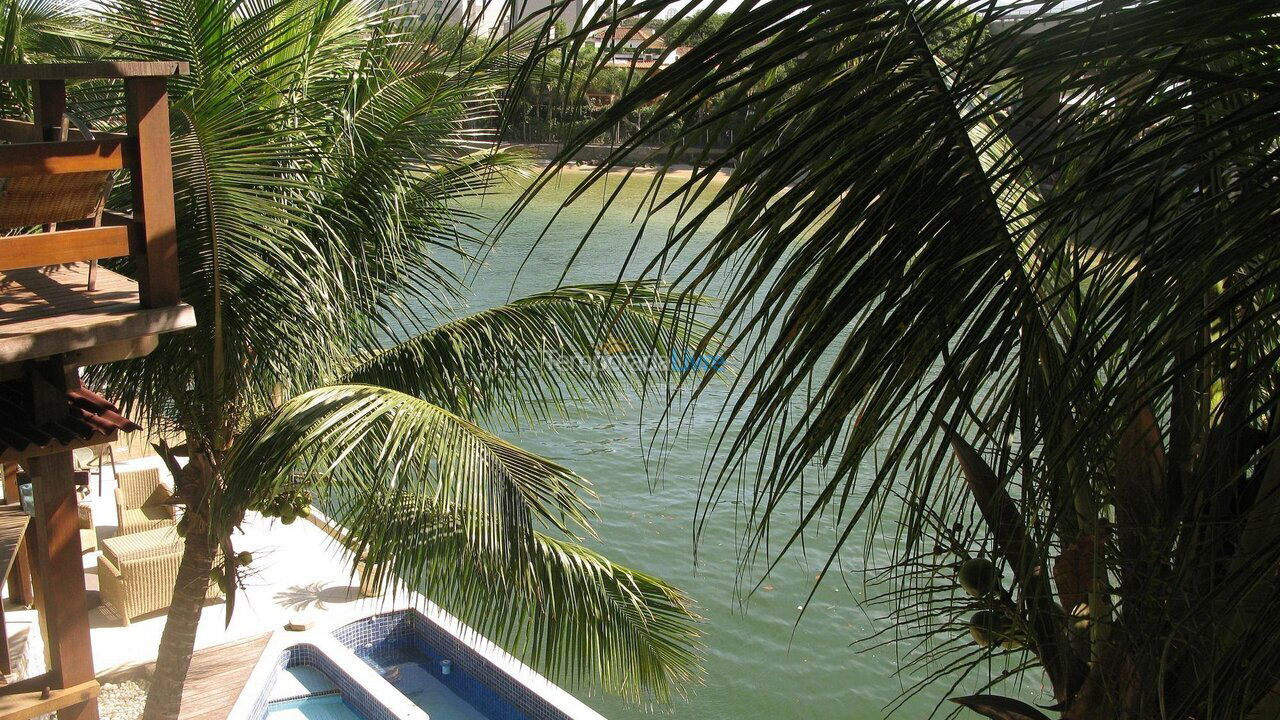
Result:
pixel 58 312
pixel 46 307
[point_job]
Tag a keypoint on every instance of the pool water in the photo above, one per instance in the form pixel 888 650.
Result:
pixel 316 707
pixel 299 680
pixel 421 680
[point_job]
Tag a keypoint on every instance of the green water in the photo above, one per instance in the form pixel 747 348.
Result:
pixel 760 662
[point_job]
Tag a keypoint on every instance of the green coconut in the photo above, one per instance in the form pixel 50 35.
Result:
pixel 1010 639
pixel 304 511
pixel 978 577
pixel 984 627
pixel 244 557
pixel 288 518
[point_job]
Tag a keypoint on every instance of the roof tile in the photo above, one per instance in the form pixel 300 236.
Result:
pixel 90 416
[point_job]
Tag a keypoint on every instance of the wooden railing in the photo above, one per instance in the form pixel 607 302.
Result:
pixel 34 148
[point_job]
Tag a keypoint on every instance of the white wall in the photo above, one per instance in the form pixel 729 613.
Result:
pixel 488 16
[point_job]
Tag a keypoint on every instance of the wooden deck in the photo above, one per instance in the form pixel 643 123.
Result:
pixel 217 676
pixel 50 311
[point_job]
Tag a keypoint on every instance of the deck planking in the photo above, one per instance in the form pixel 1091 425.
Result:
pixel 217 676
pixel 51 311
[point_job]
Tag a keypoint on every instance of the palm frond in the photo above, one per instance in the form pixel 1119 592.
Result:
pixel 546 354
pixel 373 440
pixel 453 509
pixel 1034 222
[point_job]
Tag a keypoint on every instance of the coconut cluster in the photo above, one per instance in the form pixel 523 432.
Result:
pixel 221 574
pixel 288 505
pixel 980 579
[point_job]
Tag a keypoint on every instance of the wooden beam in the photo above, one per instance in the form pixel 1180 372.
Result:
pixel 115 326
pixel 112 352
pixel 18 131
pixel 28 684
pixel 56 158
pixel 97 355
pixel 33 704
pixel 60 592
pixel 20 574
pixel 62 247
pixel 93 70
pixel 155 234
pixel 6 662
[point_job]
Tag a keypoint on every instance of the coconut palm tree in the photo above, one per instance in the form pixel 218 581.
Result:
pixel 1008 275
pixel 319 151
pixel 33 31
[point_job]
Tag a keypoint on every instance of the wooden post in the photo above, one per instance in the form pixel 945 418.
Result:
pixel 50 106
pixel 60 593
pixel 20 573
pixel 153 238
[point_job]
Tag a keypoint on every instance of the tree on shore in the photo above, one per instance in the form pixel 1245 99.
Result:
pixel 1008 274
pixel 319 151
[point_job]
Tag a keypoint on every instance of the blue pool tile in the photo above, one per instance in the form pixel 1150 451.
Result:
pixel 355 696
pixel 487 688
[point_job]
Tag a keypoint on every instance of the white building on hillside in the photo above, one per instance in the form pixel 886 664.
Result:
pixel 488 17
pixel 634 47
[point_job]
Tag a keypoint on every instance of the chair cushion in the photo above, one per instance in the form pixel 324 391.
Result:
pixel 158 497
pixel 136 546
pixel 143 519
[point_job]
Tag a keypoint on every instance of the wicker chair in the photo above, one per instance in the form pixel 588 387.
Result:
pixel 142 502
pixel 136 573
pixel 92 459
pixel 88 533
pixel 47 200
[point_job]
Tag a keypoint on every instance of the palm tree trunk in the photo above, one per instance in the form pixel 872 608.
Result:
pixel 177 643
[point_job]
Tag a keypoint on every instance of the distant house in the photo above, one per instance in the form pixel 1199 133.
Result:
pixel 634 47
pixel 485 17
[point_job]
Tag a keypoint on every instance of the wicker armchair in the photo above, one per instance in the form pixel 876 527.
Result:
pixel 142 502
pixel 47 200
pixel 88 533
pixel 136 573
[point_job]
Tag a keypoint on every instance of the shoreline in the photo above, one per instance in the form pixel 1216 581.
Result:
pixel 677 171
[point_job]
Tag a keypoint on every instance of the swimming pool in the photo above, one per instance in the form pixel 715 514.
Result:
pixel 316 707
pixel 454 675
pixel 305 683
pixel 433 685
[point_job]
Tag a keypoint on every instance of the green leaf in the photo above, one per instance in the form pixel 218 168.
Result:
pixel 545 355
pixel 384 444
pixel 455 511
pixel 1000 708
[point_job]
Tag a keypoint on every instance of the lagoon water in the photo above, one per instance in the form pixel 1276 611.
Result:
pixel 763 660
